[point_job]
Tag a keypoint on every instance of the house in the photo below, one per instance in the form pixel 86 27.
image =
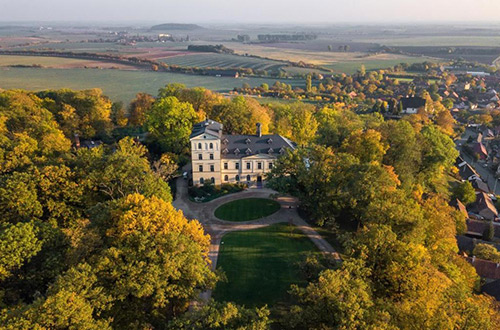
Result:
pixel 480 150
pixel 223 73
pixel 460 207
pixel 480 186
pixel 411 104
pixel 492 289
pixel 223 158
pixel 465 171
pixel 485 269
pixel 484 206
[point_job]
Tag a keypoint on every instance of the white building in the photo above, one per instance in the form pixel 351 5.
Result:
pixel 224 158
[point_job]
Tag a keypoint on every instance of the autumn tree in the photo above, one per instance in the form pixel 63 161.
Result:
pixel 138 109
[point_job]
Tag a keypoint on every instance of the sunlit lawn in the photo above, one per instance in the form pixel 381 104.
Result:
pixel 261 264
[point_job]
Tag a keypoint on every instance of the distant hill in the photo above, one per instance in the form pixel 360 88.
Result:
pixel 176 26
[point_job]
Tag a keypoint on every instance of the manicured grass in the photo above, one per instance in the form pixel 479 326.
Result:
pixel 261 264
pixel 247 209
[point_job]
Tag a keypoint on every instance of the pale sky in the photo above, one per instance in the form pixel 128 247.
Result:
pixel 251 11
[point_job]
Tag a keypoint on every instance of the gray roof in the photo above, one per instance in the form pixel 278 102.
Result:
pixel 239 146
pixel 207 126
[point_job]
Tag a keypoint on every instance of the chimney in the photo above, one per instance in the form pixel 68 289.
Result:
pixel 259 129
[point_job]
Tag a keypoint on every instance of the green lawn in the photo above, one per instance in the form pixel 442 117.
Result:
pixel 247 209
pixel 261 264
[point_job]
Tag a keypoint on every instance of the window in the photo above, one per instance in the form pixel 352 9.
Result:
pixel 237 166
pixel 211 156
pixel 200 157
pixel 226 166
pixel 237 178
pixel 226 178
pixel 213 180
pixel 199 146
pixel 259 166
pixel 270 165
pixel 248 178
pixel 248 166
pixel 212 168
pixel 202 181
pixel 211 145
pixel 200 168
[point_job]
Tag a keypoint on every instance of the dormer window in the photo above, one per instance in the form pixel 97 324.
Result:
pixel 282 150
pixel 236 151
pixel 248 141
pixel 270 151
pixel 248 151
pixel 269 141
pixel 225 151
pixel 225 141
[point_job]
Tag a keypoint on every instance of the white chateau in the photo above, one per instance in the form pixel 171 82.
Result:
pixel 224 158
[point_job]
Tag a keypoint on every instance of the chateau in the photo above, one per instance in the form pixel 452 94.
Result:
pixel 224 158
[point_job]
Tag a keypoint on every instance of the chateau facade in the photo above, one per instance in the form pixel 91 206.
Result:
pixel 222 158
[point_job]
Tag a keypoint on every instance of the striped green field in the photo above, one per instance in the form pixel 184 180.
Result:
pixel 224 61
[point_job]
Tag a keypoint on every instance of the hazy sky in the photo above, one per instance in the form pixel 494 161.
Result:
pixel 251 11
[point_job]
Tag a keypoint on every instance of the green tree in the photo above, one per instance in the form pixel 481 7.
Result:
pixel 170 122
pixel 464 192
pixel 18 243
pixel 118 115
pixel 309 83
pixel 487 252
pixel 223 316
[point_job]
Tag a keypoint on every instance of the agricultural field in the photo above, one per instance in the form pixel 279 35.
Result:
pixel 225 61
pixel 346 62
pixel 59 62
pixel 370 63
pixel 438 41
pixel 261 264
pixel 119 85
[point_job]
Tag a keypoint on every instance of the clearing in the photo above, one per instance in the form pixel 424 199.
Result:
pixel 261 264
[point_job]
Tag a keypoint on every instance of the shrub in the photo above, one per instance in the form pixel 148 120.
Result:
pixel 487 252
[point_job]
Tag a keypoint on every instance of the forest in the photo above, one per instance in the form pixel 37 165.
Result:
pixel 89 238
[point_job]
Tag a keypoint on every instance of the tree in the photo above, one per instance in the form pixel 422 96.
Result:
pixel 304 126
pixel 367 146
pixel 362 71
pixel 487 252
pixel 118 116
pixel 165 167
pixel 114 175
pixel 170 122
pixel 339 299
pixel 464 192
pixel 18 243
pixel 154 261
pixel 240 116
pixel 138 109
pixel 92 111
pixel 223 316
pixel 309 83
